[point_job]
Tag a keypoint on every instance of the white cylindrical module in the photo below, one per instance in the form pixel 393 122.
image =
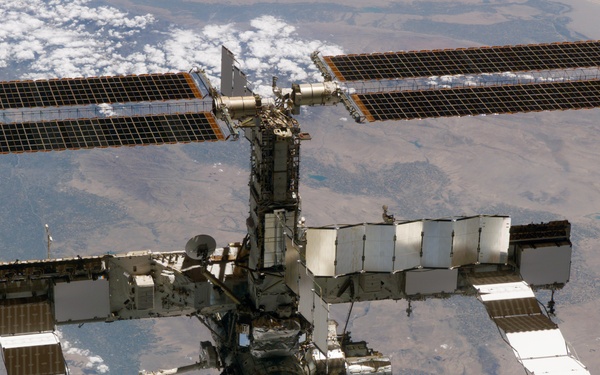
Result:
pixel 237 106
pixel 315 94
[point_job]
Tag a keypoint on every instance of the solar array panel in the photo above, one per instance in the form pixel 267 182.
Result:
pixel 555 230
pixel 525 323
pixel 512 305
pixel 479 60
pixel 39 354
pixel 534 337
pixel 96 90
pixel 108 132
pixel 465 101
pixel 23 315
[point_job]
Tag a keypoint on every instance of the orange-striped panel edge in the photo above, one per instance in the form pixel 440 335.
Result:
pixel 192 84
pixel 333 68
pixel 362 108
pixel 214 126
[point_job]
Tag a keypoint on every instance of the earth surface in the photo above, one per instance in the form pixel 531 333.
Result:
pixel 533 167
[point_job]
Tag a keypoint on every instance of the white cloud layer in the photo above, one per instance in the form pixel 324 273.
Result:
pixel 69 38
pixel 94 364
pixel 72 38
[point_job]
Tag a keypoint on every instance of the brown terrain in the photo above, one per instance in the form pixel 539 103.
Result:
pixel 534 167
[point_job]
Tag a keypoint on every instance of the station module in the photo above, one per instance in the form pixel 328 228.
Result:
pixel 266 298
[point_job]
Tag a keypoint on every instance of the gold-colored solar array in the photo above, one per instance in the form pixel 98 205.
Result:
pixel 34 360
pixel 25 315
pixel 108 132
pixel 531 57
pixel 526 323
pixel 25 327
pixel 97 90
pixel 464 101
pixel 513 315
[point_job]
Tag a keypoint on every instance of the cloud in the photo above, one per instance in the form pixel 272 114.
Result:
pixel 106 110
pixel 91 362
pixel 69 38
pixel 72 38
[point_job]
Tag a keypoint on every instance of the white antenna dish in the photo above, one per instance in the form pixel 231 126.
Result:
pixel 200 247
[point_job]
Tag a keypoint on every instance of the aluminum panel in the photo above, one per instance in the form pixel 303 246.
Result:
pixel 496 292
pixel 437 244
pixel 81 300
pixel 407 252
pixel 321 324
pixel 349 249
pixel 227 59
pixel 240 83
pixel 379 248
pixel 555 366
pixel 537 344
pixel 466 241
pixel 495 237
pixel 274 241
pixel 218 269
pixel 545 263
pixel 292 259
pixel 320 251
pixel 431 281
pixel 305 296
pixel 144 292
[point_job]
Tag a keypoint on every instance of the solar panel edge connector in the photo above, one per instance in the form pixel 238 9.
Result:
pixel 334 68
pixel 216 128
pixel 190 80
pixel 504 56
pixel 118 131
pixel 361 106
pixel 73 92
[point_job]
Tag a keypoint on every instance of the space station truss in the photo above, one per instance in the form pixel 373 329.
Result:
pixel 445 243
pixel 284 267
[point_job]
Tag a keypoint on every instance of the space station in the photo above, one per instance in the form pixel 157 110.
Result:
pixel 266 297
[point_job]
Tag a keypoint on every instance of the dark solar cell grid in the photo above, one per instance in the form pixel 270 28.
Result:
pixel 96 90
pixel 465 101
pixel 525 323
pixel 480 60
pixel 108 132
pixel 512 307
